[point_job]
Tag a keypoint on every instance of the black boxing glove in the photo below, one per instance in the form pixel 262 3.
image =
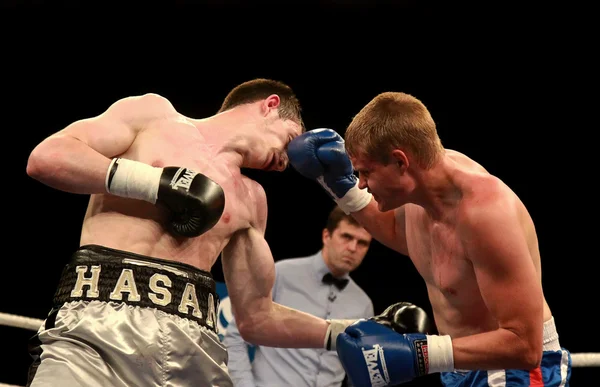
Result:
pixel 404 317
pixel 194 201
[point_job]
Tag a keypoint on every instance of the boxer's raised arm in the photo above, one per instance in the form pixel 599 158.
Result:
pixel 388 228
pixel 76 158
pixel 320 155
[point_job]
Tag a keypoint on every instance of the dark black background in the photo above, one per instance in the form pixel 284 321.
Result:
pixel 508 86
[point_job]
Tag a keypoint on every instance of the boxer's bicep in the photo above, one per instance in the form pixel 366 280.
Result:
pixel 112 132
pixel 509 284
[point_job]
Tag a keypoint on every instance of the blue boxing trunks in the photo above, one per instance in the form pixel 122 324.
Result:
pixel 121 320
pixel 555 370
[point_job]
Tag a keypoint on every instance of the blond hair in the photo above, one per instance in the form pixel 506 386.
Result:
pixel 394 120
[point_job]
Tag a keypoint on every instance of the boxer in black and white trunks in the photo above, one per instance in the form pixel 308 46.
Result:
pixel 135 305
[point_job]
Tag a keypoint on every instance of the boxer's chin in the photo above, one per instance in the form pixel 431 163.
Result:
pixel 382 206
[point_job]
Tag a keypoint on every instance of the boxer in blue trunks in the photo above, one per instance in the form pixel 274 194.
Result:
pixel 467 233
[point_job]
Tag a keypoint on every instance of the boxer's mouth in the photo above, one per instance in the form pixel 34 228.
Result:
pixel 277 162
pixel 272 163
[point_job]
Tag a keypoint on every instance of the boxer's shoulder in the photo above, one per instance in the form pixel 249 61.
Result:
pixel 484 195
pixel 140 108
pixel 245 202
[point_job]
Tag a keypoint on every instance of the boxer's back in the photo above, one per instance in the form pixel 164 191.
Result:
pixel 138 226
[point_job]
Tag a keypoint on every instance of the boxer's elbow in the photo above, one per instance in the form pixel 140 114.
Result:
pixel 528 353
pixel 528 360
pixel 245 327
pixel 253 325
pixel 532 356
pixel 54 160
pixel 251 329
pixel 43 160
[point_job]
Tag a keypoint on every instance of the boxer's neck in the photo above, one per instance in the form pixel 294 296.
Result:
pixel 436 190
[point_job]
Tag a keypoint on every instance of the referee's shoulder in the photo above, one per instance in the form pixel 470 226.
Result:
pixel 292 263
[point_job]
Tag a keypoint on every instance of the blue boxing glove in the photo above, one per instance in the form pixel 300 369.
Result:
pixel 375 355
pixel 320 154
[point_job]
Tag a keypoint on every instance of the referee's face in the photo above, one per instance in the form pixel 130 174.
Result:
pixel 345 248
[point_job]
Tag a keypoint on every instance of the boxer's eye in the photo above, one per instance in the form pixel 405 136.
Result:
pixel 290 138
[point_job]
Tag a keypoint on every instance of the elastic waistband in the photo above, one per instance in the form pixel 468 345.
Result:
pixel 104 274
pixel 551 336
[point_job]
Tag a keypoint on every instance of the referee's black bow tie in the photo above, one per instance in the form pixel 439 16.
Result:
pixel 340 283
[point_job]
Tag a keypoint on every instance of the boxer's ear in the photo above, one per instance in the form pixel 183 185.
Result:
pixel 399 157
pixel 325 235
pixel 270 103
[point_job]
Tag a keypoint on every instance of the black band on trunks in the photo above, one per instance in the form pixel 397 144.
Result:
pixel 103 274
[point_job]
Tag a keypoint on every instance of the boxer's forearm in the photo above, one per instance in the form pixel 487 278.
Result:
pixel 280 326
pixel 67 164
pixel 384 226
pixel 250 276
pixel 499 349
pixel 76 158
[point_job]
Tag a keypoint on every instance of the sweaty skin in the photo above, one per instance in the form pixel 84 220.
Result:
pixel 149 129
pixel 475 245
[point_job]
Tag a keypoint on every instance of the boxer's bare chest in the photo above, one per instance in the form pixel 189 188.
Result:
pixel 179 143
pixel 439 256
pixel 173 143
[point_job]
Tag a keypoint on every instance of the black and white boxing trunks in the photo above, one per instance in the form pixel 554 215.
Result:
pixel 122 319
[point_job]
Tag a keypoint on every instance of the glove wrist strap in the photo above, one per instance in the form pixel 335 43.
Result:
pixel 441 355
pixel 333 330
pixel 354 200
pixel 133 179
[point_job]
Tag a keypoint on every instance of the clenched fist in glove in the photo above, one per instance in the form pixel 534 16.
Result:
pixel 194 201
pixel 373 353
pixel 403 317
pixel 320 154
